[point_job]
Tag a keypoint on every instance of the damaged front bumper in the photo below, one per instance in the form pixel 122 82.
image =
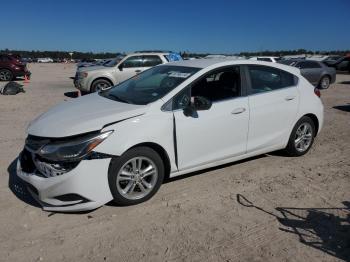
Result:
pixel 85 187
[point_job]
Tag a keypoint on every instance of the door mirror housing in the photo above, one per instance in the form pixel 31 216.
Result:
pixel 120 67
pixel 198 103
pixel 201 103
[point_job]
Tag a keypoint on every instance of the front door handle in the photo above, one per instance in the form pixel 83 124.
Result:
pixel 137 71
pixel 238 111
pixel 288 98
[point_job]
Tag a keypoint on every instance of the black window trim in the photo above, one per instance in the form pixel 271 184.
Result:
pixel 249 83
pixel 244 87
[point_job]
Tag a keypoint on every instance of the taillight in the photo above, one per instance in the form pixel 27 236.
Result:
pixel 317 92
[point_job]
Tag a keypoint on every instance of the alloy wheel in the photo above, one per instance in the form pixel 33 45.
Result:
pixel 325 83
pixel 303 137
pixel 5 75
pixel 101 86
pixel 137 178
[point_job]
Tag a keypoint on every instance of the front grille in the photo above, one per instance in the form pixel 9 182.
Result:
pixel 51 169
pixel 26 161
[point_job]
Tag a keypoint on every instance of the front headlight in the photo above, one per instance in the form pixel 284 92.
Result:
pixel 73 150
pixel 82 74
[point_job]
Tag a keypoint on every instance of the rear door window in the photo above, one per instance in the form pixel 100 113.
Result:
pixel 265 79
pixel 151 60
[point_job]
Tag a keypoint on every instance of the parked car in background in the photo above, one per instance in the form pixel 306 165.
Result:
pixel 27 60
pixel 11 67
pixel 94 78
pixel 316 72
pixel 95 62
pixel 273 59
pixel 45 60
pixel 341 64
pixel 85 62
pixel 176 118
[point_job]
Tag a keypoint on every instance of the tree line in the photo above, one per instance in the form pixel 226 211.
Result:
pixel 104 55
pixel 60 54
pixel 273 53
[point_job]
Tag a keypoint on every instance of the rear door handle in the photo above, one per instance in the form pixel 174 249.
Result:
pixel 238 111
pixel 137 71
pixel 288 98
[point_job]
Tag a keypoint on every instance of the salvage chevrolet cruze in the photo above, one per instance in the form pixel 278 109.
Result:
pixel 119 144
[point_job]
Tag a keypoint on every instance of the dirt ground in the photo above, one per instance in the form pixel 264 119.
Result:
pixel 270 208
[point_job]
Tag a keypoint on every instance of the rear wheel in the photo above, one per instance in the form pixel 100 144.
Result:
pixel 325 82
pixel 135 176
pixel 99 85
pixel 302 137
pixel 5 75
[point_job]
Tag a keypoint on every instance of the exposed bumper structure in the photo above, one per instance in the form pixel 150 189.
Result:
pixel 83 188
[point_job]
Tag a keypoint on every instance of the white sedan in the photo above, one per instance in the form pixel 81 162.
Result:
pixel 119 144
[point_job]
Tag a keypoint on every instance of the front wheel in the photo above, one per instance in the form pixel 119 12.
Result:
pixel 135 176
pixel 302 137
pixel 99 85
pixel 5 75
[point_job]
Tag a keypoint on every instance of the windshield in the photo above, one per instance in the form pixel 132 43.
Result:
pixel 114 61
pixel 150 85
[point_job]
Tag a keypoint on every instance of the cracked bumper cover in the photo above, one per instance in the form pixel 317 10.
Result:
pixel 89 180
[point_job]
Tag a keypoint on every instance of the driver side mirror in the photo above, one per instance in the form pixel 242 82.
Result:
pixel 120 67
pixel 199 103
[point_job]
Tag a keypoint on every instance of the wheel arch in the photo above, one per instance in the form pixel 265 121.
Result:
pixel 315 120
pixel 101 78
pixel 162 153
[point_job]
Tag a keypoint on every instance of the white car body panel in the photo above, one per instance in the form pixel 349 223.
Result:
pixel 272 115
pixel 215 134
pixel 220 135
pixel 88 113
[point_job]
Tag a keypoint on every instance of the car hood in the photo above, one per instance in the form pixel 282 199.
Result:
pixel 82 115
pixel 92 68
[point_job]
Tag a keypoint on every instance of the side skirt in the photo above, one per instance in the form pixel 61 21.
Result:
pixel 225 161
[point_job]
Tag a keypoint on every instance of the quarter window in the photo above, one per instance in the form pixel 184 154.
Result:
pixel 264 79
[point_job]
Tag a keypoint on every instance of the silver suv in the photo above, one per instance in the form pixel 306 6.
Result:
pixel 95 78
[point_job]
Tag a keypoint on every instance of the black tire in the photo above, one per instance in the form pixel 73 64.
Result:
pixel 327 79
pixel 119 162
pixel 6 75
pixel 291 148
pixel 95 86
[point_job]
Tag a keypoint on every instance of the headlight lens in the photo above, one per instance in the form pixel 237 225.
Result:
pixel 82 74
pixel 72 150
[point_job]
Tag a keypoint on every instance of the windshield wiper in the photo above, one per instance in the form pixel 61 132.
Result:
pixel 117 98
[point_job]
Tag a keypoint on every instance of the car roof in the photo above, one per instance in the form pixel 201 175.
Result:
pixel 204 63
pixel 148 53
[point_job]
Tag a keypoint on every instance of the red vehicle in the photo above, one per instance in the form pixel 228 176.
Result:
pixel 11 67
